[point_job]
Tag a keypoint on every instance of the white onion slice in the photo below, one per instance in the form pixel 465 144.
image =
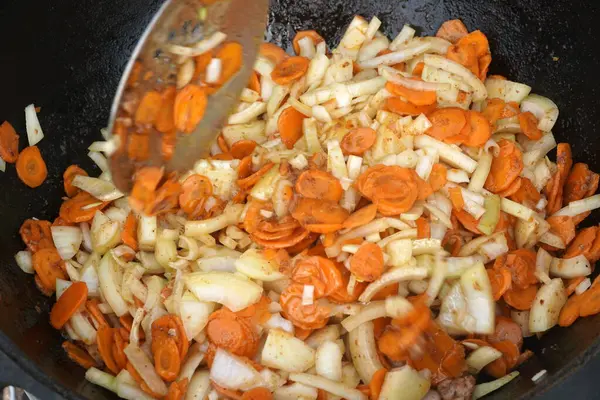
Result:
pixel 67 240
pixel 23 259
pixel 479 91
pixel 32 124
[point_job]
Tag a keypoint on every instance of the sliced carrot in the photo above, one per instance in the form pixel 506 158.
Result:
pixel 79 355
pixel 456 198
pixel 227 393
pixel 230 55
pixel 416 97
pixel 92 308
pixel 254 83
pixel 68 304
pixel 464 55
pixel 446 122
pixel 167 361
pixel 438 176
pixel 423 228
pixel 563 226
pixel 526 194
pixel 9 143
pixel 512 189
pixel 467 220
pixel 189 108
pixel 313 35
pixel 129 233
pixel 377 382
pixel 177 390
pixel 480 129
pixel 478 41
pixel 201 63
pixel 554 188
pixel 521 299
pixel 452 30
pixel 290 70
pixel 582 243
pixel 367 263
pixel 193 192
pixel 70 173
pixel 49 267
pixel 418 69
pixel 315 211
pixel 357 141
pixel 272 52
pixel 258 393
pixel 148 108
pixel 290 126
pixel 251 180
pixel 242 148
pixel 529 125
pixel 36 234
pixel 572 284
pixel 484 66
pixel 361 217
pixel 31 167
pixel 105 340
pixel 312 316
pixel 234 333
pixel 506 167
pixel 171 326
pixel 165 117
pixel 319 272
pixel 500 280
pixel 399 106
pixel 394 189
pixel 118 350
pixel 579 182
pixel 138 147
pixel 316 184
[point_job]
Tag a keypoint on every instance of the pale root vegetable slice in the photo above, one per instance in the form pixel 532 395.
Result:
pixel 363 350
pixel 404 383
pixel 328 385
pixel 397 275
pixel 107 276
pixel 480 302
pixel 147 232
pixel 296 391
pixel 447 153
pixel 286 352
pixel 234 292
pixel 506 90
pixel 547 305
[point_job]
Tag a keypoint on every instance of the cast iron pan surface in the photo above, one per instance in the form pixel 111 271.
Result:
pixel 67 56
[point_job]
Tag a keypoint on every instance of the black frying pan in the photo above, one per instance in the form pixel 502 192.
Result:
pixel 67 57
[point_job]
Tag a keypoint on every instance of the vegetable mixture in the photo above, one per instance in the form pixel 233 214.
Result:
pixel 378 221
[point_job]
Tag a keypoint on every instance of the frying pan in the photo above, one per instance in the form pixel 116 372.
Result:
pixel 67 57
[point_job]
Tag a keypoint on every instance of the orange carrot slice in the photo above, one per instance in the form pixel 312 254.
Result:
pixel 49 267
pixel 290 126
pixel 148 108
pixel 31 167
pixel 273 52
pixel 70 173
pixel 358 141
pixel 78 355
pixel 529 125
pixel 9 143
pixel 452 30
pixel 190 105
pixel 165 117
pixel 506 167
pixel 399 106
pixel 242 148
pixel 367 262
pixel 446 122
pixel 230 55
pixel 316 184
pixel 416 97
pixel 290 70
pixel 361 217
pixel 313 35
pixel 68 304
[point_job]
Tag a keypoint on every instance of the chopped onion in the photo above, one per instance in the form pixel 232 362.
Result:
pixel 328 361
pixel 145 367
pixel 89 275
pixel 478 295
pixel 101 378
pixel 544 109
pixel 67 240
pixel 580 206
pixel 308 295
pixel 254 265
pixel 23 259
pixel 199 386
pixel 458 175
pixel 479 90
pixel 397 56
pixel 406 273
pixel 371 48
pixel 570 267
pixel 100 160
pixel 2 165
pixel 517 210
pixel 295 391
pixel 233 372
pixel 198 48
pixel 232 291
pixel 248 114
pixel 61 286
pixel 404 383
pixel 547 305
pixel 374 310
pixel 506 90
pixel 522 319
pixel 278 322
pixel 286 352
pixel 320 336
pixel 393 75
pixel 328 385
pixel 482 357
pixel 404 36
pixel 485 388
pixel 32 125
pixel 83 328
pixel 254 130
pixel 229 216
pixel 481 173
pixel 583 286
pixel 131 391
pixel 108 285
pixel 447 153
pixel 363 351
pixel 105 233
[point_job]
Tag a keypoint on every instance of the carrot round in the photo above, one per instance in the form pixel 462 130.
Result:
pixel 167 361
pixel 399 106
pixel 367 262
pixel 31 167
pixel 170 326
pixel 49 267
pixel 254 83
pixel 9 143
pixel 316 184
pixel 36 234
pixel 148 108
pixel 563 226
pixel 394 189
pixel 165 117
pixel 70 173
pixel 193 192
pixel 464 55
pixel 68 304
pixel 189 108
pixel 416 97
pixel 521 299
pixel 290 126
pixel 320 272
pixel 315 211
pixel 377 382
pixel 273 52
pixel 290 70
pixel 78 355
pixel 506 167
pixel 233 333
pixel 582 243
pixel 230 55
pixel 500 280
pixel 452 30
pixel 105 340
pixel 554 188
pixel 242 148
pixel 258 393
pixel 478 41
pixel 418 69
pixel 579 183
pixel 526 194
pixel 312 316
pixel 480 130
pixel 313 35
pixel 251 180
pixel 529 125
pixel 361 217
pixel 446 122
pixel 438 176
pixel 358 141
pixel 118 350
pixel 423 228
